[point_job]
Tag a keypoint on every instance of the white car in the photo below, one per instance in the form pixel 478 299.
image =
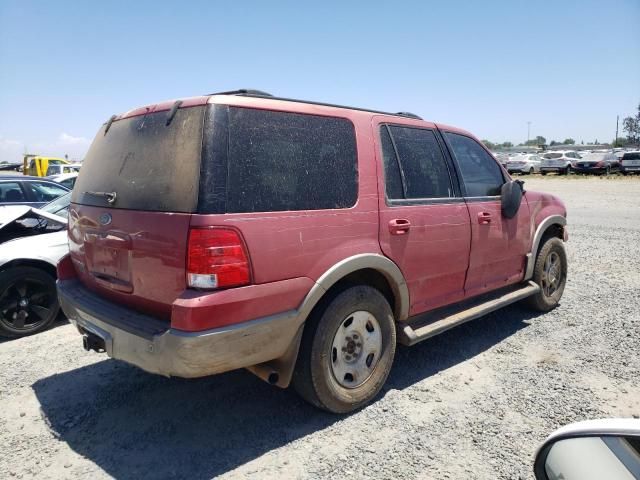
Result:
pixel 630 163
pixel 66 179
pixel 525 163
pixel 560 161
pixel 28 297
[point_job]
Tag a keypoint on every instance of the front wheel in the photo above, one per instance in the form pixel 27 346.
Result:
pixel 28 301
pixel 550 273
pixel 347 351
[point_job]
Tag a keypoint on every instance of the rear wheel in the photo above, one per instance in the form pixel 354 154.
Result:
pixel 543 173
pixel 530 171
pixel 347 351
pixel 28 301
pixel 550 273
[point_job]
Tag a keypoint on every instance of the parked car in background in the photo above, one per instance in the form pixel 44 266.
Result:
pixel 524 163
pixel 31 191
pixel 235 253
pixel 560 162
pixel 60 169
pixel 28 299
pixel 597 163
pixel 66 179
pixel 503 158
pixel 630 163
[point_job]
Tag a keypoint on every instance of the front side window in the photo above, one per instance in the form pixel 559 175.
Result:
pixel 11 192
pixel 481 174
pixel 421 161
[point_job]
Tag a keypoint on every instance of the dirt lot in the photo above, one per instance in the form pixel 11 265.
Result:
pixel 472 403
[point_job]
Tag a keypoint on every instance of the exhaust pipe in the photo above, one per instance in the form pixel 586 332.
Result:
pixel 93 342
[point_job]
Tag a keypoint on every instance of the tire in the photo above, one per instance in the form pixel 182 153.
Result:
pixel 530 172
pixel 323 375
pixel 548 298
pixel 543 173
pixel 567 171
pixel 28 301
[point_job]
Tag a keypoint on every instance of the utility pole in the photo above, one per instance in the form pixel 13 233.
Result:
pixel 615 142
pixel 528 131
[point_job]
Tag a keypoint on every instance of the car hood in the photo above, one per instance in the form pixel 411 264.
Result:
pixel 11 213
pixel 49 247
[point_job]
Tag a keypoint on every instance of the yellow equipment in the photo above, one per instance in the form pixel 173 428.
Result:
pixel 39 166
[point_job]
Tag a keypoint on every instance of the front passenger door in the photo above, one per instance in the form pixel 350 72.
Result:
pixel 498 245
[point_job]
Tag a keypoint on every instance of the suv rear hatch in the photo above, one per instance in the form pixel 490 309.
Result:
pixel 132 203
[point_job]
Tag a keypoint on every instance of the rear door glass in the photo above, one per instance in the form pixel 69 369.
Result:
pixel 422 162
pixel 45 192
pixel 148 164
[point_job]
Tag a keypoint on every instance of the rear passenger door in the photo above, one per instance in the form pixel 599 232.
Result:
pixel 498 245
pixel 424 223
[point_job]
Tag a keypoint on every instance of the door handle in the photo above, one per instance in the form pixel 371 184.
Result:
pixel 484 218
pixel 399 226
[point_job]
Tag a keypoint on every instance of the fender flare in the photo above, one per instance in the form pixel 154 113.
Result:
pixel 279 371
pixel 373 261
pixel 537 237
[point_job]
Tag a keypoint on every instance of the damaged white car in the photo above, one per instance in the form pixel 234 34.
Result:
pixel 33 240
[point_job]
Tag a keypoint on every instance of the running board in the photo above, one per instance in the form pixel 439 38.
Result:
pixel 429 325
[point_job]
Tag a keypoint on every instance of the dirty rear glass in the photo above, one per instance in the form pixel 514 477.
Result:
pixel 266 161
pixel 149 165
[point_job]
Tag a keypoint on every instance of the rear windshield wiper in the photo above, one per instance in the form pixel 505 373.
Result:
pixel 110 196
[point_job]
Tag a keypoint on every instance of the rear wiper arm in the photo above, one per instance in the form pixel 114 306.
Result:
pixel 110 196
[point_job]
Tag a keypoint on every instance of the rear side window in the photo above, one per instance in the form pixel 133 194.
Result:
pixel 277 161
pixel 481 174
pixel 423 166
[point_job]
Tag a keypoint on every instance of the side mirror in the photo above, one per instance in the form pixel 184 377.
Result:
pixel 589 450
pixel 511 197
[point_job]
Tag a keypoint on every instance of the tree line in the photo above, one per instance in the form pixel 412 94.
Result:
pixel 630 125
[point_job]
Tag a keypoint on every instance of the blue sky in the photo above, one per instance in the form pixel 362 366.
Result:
pixel 569 67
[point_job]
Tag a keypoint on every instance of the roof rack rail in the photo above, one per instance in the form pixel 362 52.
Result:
pixel 409 115
pixel 259 93
pixel 245 91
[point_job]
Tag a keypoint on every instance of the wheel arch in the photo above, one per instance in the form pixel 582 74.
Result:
pixel 31 262
pixel 552 225
pixel 368 269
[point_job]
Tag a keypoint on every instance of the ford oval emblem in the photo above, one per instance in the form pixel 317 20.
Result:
pixel 105 219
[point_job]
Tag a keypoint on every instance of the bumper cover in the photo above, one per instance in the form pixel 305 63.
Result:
pixel 150 344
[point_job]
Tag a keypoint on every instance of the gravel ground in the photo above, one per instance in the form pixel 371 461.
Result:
pixel 474 402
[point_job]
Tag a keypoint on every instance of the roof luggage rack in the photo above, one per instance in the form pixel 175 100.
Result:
pixel 259 93
pixel 409 115
pixel 245 91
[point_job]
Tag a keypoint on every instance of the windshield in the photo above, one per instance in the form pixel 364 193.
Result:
pixel 594 157
pixel 60 206
pixel 148 164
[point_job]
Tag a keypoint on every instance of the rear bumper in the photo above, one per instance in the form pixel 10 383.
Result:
pixel 631 168
pixel 553 169
pixel 589 169
pixel 148 343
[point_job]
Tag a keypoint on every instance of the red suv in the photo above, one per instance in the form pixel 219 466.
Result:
pixel 296 239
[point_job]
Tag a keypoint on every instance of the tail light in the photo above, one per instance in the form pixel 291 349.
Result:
pixel 600 164
pixel 217 258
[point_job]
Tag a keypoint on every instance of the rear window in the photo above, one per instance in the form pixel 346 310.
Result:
pixel 552 155
pixel 267 161
pixel 631 156
pixel 148 164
